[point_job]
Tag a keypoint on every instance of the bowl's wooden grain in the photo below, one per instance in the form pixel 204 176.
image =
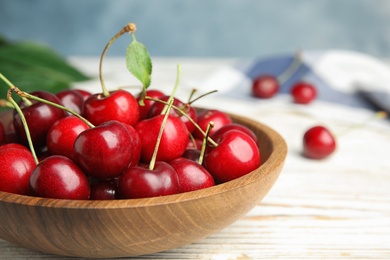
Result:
pixel 116 228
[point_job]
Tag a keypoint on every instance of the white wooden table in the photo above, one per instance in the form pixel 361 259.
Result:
pixel 338 208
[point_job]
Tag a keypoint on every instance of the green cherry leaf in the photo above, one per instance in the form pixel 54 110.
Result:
pixel 139 63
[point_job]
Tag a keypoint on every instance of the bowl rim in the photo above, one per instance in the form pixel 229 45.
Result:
pixel 275 160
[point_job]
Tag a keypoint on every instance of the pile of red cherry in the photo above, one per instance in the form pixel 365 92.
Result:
pixel 114 157
pixel 318 141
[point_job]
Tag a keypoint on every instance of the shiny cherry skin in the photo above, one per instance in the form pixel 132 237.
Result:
pixel 236 148
pixel 62 135
pixel 72 100
pixel 235 126
pixel 303 92
pixel 85 94
pixel 157 108
pixel 141 182
pixel 173 142
pixel 16 166
pixel 191 175
pixel 265 86
pixel 318 143
pixel 136 143
pixel 218 117
pixel 120 105
pixel 13 145
pixel 144 110
pixel 104 189
pixel 39 116
pixel 104 151
pixel 59 177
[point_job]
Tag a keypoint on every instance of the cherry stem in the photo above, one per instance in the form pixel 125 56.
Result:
pixel 204 143
pixel 154 156
pixel 23 118
pixel 28 102
pixel 201 96
pixel 130 28
pixel 172 96
pixel 27 95
pixel 186 115
pixel 291 69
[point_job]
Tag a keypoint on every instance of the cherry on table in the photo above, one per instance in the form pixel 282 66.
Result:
pixel 303 92
pixel 60 178
pixel 265 86
pixel 318 143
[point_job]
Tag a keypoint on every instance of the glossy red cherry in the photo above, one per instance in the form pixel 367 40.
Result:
pixel 136 143
pixel 318 143
pixel 158 107
pixel 141 182
pixel 218 117
pixel 62 135
pixel 191 175
pixel 234 126
pixel 16 166
pixel 104 151
pixel 13 145
pixel 85 94
pixel 39 116
pixel 144 110
pixel 60 178
pixel 303 92
pixel 120 105
pixel 104 189
pixel 265 86
pixel 72 100
pixel 236 155
pixel 173 142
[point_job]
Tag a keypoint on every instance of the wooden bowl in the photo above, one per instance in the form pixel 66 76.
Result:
pixel 119 228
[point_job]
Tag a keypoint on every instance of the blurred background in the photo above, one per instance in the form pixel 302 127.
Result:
pixel 196 28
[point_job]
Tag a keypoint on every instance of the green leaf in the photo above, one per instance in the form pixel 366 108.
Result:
pixel 33 66
pixel 139 63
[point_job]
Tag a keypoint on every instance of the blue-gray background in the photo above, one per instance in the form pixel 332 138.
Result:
pixel 200 28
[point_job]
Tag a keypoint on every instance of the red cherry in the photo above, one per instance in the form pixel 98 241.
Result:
pixel 13 145
pixel 85 94
pixel 104 189
pixel 158 107
pixel 236 148
pixel 191 175
pixel 303 92
pixel 39 116
pixel 218 117
pixel 141 182
pixel 318 143
pixel 59 177
pixel 104 151
pixel 144 110
pixel 195 144
pixel 120 105
pixel 136 143
pixel 16 166
pixel 173 141
pixel 265 86
pixel 62 135
pixel 192 154
pixel 72 100
pixel 235 126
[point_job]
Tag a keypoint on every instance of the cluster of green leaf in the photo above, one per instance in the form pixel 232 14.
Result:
pixel 34 66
